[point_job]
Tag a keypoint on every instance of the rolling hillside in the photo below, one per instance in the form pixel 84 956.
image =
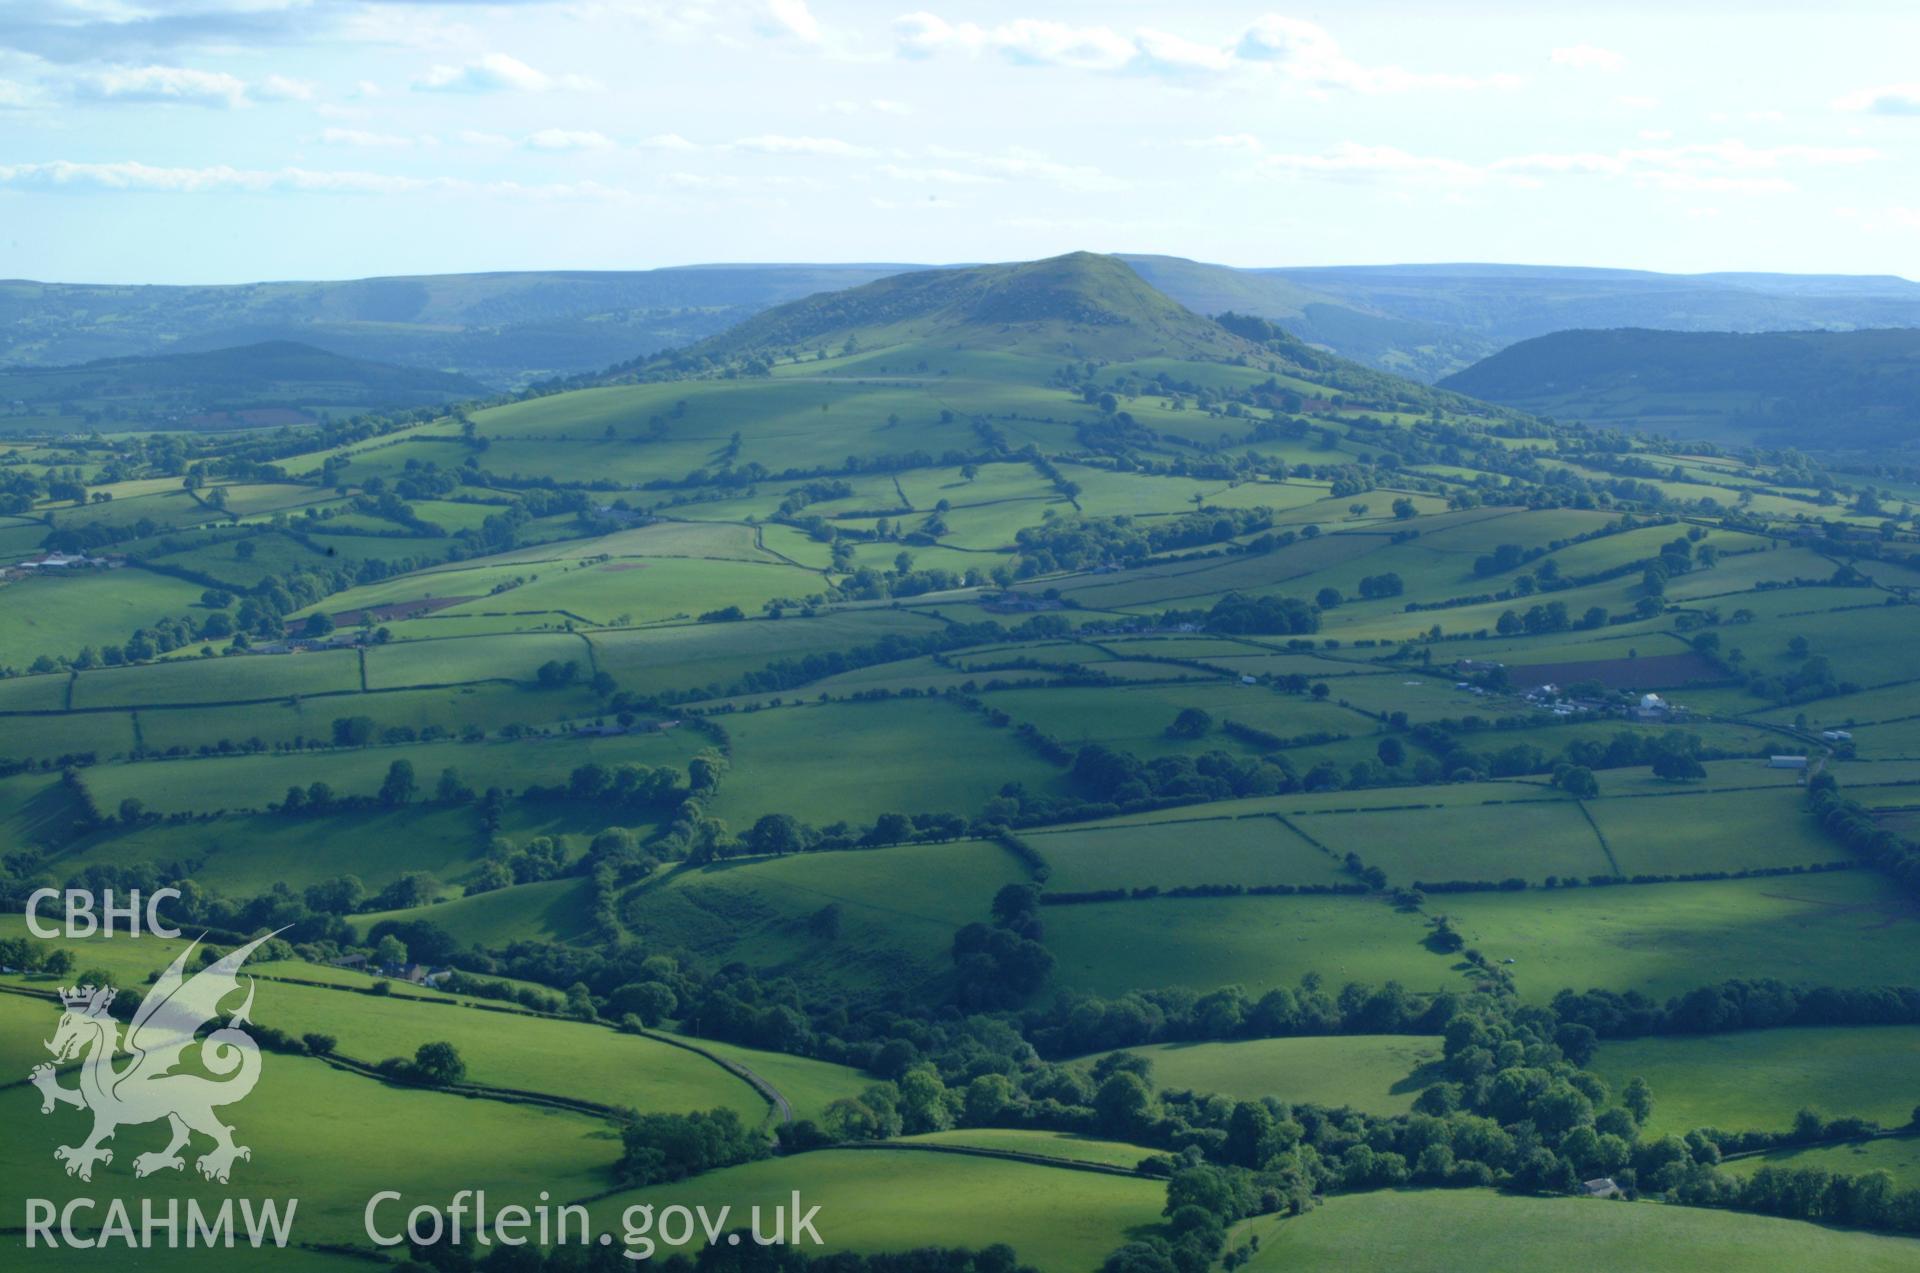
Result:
pixel 277 382
pixel 1076 306
pixel 1033 753
pixel 511 329
pixel 503 329
pixel 1851 392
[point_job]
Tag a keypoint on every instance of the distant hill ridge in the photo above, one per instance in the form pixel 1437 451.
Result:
pixel 1809 389
pixel 1080 304
pixel 286 374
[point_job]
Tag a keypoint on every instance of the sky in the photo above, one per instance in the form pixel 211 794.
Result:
pixel 210 141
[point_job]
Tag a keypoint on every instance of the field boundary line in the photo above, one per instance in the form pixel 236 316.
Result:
pixel 1599 835
pixel 1010 1155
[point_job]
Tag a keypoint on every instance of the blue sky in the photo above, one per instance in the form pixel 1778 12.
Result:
pixel 229 140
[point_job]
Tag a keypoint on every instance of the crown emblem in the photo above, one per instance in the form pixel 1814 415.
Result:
pixel 83 997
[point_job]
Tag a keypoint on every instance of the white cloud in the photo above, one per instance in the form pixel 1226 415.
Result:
pixel 1228 141
pixel 938 176
pixel 498 73
pixel 790 19
pixel 361 137
pixel 877 105
pixel 1715 167
pixel 1350 161
pixel 172 84
pixel 666 141
pixel 1294 49
pixel 1019 163
pixel 1888 99
pixel 471 137
pixel 775 144
pixel 279 88
pixel 136 176
pixel 569 139
pixel 1588 57
pixel 14 96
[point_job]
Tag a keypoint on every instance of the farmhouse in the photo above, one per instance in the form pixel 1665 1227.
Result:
pixel 1604 1187
pixel 1652 707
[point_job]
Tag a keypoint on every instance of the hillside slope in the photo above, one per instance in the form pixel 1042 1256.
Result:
pixel 502 328
pixel 176 388
pixel 1833 391
pixel 1079 305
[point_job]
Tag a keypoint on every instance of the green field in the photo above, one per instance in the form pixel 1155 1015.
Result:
pixel 1454 1232
pixel 887 1200
pixel 1847 928
pixel 57 616
pixel 1257 942
pixel 1856 1071
pixel 1379 1073
pixel 901 756
pixel 1250 851
pixel 1899 1157
pixel 252 782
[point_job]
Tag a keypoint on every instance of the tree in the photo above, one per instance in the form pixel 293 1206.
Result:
pixel 1578 781
pixel 389 952
pixel 776 833
pixel 439 1064
pixel 399 787
pixel 1192 722
pixel 1391 752
pixel 319 624
pixel 1123 1105
pixel 1404 510
pixel 1678 766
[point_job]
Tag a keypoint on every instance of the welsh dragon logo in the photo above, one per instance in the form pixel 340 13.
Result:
pixel 150 1087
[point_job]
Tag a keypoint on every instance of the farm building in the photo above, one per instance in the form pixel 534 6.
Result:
pixel 1787 762
pixel 1604 1187
pixel 1652 707
pixel 1836 735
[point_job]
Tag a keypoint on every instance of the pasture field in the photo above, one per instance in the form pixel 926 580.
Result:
pixel 485 706
pixel 464 660
pixel 534 1054
pixel 106 734
pixel 1249 851
pixel 1107 948
pixel 890 1200
pixel 1136 717
pixel 897 756
pixel 239 679
pixel 208 784
pixel 624 593
pixel 559 910
pixel 809 1085
pixel 1524 841
pixel 42 692
pixel 1454 1231
pixel 59 615
pixel 1376 1073
pixel 248 854
pixel 1728 831
pixel 1845 928
pixel 1842 1071
pixel 408 1139
pixel 898 910
pixel 1018 1140
pixel 713 655
pixel 1898 1156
